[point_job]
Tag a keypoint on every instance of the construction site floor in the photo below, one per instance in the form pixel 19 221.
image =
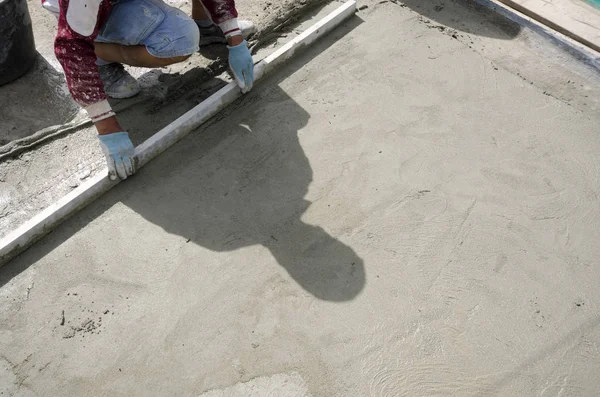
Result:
pixel 409 208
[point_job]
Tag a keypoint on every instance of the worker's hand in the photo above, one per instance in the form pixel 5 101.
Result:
pixel 119 152
pixel 241 64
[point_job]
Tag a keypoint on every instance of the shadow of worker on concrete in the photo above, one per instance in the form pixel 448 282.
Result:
pixel 237 181
pixel 241 181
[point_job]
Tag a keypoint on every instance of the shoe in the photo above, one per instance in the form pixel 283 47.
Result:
pixel 118 83
pixel 214 35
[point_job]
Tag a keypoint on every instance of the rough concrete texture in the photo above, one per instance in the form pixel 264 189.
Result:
pixel 385 217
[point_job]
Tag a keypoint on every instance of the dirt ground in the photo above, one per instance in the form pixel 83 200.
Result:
pixel 410 208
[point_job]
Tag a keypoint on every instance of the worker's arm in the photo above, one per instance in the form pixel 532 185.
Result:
pixel 78 25
pixel 224 14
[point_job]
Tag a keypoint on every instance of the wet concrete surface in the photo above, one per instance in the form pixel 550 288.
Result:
pixel 383 217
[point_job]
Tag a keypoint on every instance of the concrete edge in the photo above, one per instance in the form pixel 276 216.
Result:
pixel 40 225
pixel 588 55
pixel 543 17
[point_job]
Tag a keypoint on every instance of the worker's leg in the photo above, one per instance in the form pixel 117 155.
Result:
pixel 134 55
pixel 211 33
pixel 199 13
pixel 146 33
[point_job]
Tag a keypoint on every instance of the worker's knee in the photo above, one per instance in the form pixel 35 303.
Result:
pixel 175 40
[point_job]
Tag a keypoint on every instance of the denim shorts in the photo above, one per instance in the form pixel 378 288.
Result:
pixel 165 31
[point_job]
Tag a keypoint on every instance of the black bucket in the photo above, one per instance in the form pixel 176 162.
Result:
pixel 17 48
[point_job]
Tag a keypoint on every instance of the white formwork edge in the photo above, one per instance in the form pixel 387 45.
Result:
pixel 44 222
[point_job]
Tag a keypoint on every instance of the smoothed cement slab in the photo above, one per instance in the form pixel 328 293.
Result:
pixel 384 217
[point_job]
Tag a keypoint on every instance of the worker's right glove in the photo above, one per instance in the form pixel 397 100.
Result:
pixel 242 66
pixel 119 152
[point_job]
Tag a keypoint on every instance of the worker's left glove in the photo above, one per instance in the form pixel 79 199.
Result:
pixel 119 152
pixel 242 66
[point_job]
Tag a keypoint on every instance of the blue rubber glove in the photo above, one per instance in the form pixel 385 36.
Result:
pixel 119 152
pixel 242 66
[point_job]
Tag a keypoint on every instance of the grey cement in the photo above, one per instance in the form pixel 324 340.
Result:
pixel 385 217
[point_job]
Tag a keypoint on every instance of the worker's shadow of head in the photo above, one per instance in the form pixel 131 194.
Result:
pixel 240 181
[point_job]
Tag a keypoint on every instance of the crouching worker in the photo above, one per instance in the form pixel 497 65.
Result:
pixel 97 37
